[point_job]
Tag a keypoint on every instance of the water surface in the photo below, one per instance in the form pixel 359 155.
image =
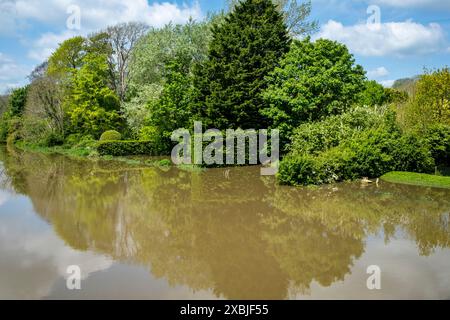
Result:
pixel 155 233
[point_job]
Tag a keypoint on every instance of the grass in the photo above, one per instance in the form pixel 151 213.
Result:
pixel 417 179
pixel 91 153
pixel 70 152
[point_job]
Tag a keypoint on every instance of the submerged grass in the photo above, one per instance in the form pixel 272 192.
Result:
pixel 417 179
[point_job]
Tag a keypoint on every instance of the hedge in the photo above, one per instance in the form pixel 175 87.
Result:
pixel 127 148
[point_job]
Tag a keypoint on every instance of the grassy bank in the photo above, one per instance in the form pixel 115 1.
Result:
pixel 92 154
pixel 82 152
pixel 417 179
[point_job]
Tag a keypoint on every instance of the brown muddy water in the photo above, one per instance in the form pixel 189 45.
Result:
pixel 153 233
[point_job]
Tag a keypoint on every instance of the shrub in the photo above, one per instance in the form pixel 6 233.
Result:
pixel 319 136
pixel 370 154
pixel 54 139
pixel 298 170
pixel 110 135
pixel 127 148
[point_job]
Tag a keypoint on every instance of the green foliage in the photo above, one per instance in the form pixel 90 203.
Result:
pixel 127 148
pixel 110 135
pixel 78 140
pixel 67 58
pixel 438 139
pixel 316 137
pixel 375 94
pixel 186 43
pixel 93 107
pixel 35 130
pixel 314 80
pixel 136 111
pixel 172 111
pixel 54 139
pixel 431 102
pixel 245 47
pixel 371 154
pixel 17 101
pixel 4 126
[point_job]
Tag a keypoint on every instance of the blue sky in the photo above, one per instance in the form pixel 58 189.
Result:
pixel 409 36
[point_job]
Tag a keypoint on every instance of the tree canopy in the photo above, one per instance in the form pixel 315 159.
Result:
pixel 245 47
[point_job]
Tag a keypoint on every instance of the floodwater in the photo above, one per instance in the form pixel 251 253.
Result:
pixel 155 233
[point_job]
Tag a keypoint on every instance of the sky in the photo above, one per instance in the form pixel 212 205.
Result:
pixel 391 39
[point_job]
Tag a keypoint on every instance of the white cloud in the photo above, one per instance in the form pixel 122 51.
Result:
pixel 377 73
pixel 393 38
pixel 99 14
pixel 94 13
pixel 12 74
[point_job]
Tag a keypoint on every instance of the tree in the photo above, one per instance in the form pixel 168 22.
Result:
pixel 314 80
pixel 149 66
pixel 67 58
pixel 39 71
pixel 123 37
pixel 431 103
pixel 172 111
pixel 295 15
pixel 17 101
pixel 93 107
pixel 245 47
pixel 45 102
pixel 187 43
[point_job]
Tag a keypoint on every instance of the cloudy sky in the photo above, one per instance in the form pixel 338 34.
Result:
pixel 412 34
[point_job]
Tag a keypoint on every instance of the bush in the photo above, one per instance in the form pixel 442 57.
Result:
pixel 298 170
pixel 54 139
pixel 111 135
pixel 319 136
pixel 127 148
pixel 370 154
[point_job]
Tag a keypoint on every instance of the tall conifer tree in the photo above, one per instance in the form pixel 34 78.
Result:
pixel 245 47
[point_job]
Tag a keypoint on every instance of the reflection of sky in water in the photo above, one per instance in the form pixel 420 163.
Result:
pixel 143 244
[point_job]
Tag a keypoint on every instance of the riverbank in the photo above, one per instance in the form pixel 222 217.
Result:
pixel 90 153
pixel 417 179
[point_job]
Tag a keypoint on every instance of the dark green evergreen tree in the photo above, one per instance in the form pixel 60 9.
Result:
pixel 246 46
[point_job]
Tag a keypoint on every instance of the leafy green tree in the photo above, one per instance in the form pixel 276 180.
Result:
pixel 67 58
pixel 314 80
pixel 161 46
pixel 431 102
pixel 93 107
pixel 17 101
pixel 172 111
pixel 245 47
pixel 374 94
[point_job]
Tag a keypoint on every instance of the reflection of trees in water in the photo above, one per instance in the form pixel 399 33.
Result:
pixel 421 213
pixel 243 237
